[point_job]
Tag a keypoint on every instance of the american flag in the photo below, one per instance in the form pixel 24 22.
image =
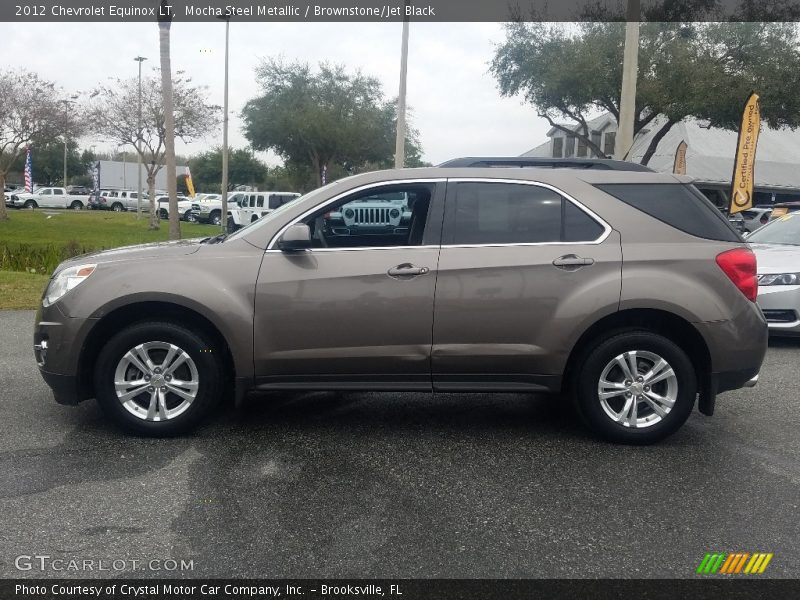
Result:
pixel 28 171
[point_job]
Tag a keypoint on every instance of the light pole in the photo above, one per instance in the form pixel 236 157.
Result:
pixel 630 69
pixel 400 141
pixel 66 134
pixel 224 213
pixel 140 60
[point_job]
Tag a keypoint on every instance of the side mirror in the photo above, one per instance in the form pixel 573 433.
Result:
pixel 297 237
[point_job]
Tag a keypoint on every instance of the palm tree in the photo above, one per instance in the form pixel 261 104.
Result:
pixel 164 24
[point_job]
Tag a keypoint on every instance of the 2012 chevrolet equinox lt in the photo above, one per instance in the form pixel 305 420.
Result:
pixel 627 290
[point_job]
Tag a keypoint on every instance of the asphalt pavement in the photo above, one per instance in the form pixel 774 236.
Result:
pixel 393 485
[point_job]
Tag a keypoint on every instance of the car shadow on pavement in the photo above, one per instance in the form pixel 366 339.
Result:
pixel 392 411
pixel 784 341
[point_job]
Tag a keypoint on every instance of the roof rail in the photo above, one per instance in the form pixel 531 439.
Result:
pixel 605 164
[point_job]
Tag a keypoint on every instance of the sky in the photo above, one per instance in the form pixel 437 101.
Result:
pixel 456 105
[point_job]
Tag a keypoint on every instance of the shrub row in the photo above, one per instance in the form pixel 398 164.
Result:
pixel 38 258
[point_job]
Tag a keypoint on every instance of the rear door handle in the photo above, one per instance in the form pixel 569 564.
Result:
pixel 407 270
pixel 572 262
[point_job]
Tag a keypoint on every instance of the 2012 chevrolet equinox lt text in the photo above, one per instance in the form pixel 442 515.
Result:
pixel 626 290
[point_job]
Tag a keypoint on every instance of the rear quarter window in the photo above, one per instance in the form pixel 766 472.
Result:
pixel 680 206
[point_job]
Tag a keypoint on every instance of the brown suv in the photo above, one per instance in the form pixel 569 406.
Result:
pixel 626 289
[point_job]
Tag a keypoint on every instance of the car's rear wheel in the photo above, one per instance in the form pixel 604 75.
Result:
pixel 31 204
pixel 77 205
pixel 636 387
pixel 158 378
pixel 117 207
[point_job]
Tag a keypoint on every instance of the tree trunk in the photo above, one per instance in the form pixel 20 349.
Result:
pixel 3 211
pixel 651 149
pixel 169 127
pixel 151 193
pixel 317 167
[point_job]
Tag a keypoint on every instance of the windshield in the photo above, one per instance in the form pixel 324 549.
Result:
pixel 277 212
pixel 784 230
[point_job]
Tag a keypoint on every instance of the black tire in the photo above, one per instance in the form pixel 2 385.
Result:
pixel 215 218
pixel 592 365
pixel 163 214
pixel 31 204
pixel 231 226
pixel 77 205
pixel 117 207
pixel 200 349
pixel 189 217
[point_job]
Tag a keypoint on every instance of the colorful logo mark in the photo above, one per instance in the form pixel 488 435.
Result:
pixel 734 563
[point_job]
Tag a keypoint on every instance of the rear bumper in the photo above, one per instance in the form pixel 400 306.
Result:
pixel 734 380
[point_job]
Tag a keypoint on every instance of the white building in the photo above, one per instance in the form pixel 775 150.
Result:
pixel 710 154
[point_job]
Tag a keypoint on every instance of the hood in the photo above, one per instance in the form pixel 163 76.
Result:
pixel 141 251
pixel 777 258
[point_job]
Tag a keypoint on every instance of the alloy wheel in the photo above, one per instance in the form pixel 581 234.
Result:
pixel 156 381
pixel 637 389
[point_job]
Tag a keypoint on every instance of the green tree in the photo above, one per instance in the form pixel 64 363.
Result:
pixel 327 120
pixel 47 157
pixel 114 118
pixel 243 169
pixel 696 69
pixel 29 110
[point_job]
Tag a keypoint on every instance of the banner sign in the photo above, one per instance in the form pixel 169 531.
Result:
pixel 744 165
pixel 679 166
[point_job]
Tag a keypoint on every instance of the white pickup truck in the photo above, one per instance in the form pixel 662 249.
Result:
pixel 50 197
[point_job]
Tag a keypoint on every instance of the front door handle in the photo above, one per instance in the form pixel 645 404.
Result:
pixel 407 270
pixel 572 262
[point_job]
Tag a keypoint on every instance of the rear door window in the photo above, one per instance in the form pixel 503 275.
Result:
pixel 680 206
pixel 510 213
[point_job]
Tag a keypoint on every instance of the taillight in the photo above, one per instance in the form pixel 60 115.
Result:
pixel 739 265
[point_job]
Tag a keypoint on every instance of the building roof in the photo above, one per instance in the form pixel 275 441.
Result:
pixel 710 153
pixel 599 123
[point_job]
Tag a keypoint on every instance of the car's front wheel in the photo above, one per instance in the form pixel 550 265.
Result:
pixel 215 218
pixel 76 205
pixel 636 387
pixel 158 378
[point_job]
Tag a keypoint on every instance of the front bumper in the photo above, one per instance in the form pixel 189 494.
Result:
pixel 57 340
pixel 781 307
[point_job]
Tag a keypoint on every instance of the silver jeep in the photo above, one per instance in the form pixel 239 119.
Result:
pixel 378 214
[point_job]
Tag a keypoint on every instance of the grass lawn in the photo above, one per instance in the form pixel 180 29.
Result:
pixel 90 228
pixel 21 290
pixel 40 239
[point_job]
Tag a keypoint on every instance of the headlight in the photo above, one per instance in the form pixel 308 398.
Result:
pixel 65 281
pixel 779 279
pixel 349 213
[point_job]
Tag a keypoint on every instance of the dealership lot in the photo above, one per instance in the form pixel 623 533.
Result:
pixel 395 485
